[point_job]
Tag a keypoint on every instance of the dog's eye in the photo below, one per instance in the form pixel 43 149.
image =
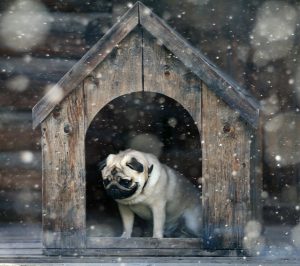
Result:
pixel 130 166
pixel 125 182
pixel 135 165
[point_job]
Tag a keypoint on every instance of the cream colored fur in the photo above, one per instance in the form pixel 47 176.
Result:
pixel 166 199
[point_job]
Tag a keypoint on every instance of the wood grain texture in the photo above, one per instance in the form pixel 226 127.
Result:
pixel 16 179
pixel 19 138
pixel 143 242
pixel 165 74
pixel 226 173
pixel 235 96
pixel 119 74
pixel 64 174
pixel 61 45
pixel 86 64
pixel 140 252
pixel 13 99
pixel 63 142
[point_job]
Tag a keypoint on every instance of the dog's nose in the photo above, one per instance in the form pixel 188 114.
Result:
pixel 114 172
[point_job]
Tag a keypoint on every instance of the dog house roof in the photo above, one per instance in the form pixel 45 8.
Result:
pixel 139 15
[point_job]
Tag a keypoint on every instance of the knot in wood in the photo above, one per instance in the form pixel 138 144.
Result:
pixel 167 70
pixel 67 128
pixel 56 112
pixel 228 129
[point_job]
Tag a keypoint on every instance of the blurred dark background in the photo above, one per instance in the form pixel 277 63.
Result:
pixel 255 42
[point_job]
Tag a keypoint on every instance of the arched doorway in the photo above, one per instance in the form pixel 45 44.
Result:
pixel 146 121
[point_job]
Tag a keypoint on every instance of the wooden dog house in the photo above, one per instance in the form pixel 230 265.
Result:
pixel 141 53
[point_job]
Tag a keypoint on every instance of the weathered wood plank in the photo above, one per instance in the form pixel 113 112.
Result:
pixel 119 74
pixel 147 261
pixel 236 97
pixel 31 91
pixel 64 174
pixel 165 74
pixel 68 46
pixel 139 252
pixel 22 205
pixel 21 160
pixel 21 245
pixel 78 5
pixel 35 87
pixel 232 259
pixel 69 35
pixel 144 242
pixel 12 126
pixel 66 23
pixel 86 64
pixel 17 252
pixel 19 137
pixel 226 173
pixel 69 5
pixel 38 69
pixel 16 179
pixel 20 240
pixel 7 118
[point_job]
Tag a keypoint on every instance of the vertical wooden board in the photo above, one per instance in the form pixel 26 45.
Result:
pixel 165 74
pixel 120 73
pixel 226 173
pixel 256 170
pixel 64 174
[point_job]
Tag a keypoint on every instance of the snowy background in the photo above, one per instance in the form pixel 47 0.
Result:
pixel 255 42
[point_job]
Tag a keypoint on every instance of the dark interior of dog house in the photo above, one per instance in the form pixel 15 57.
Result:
pixel 148 122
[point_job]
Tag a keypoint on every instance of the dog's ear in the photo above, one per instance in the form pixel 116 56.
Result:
pixel 150 169
pixel 102 164
pixel 134 164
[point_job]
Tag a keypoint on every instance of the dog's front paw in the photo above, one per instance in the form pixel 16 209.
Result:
pixel 126 235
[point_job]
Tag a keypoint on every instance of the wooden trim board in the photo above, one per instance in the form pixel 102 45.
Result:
pixel 143 243
pixel 115 246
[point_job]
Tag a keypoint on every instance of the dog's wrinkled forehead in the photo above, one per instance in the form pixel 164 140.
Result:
pixel 125 160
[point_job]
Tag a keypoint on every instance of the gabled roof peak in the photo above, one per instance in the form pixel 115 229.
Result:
pixel 235 96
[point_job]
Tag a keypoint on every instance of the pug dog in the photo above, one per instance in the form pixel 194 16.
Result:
pixel 143 186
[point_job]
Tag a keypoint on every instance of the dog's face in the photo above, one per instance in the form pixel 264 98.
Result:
pixel 125 174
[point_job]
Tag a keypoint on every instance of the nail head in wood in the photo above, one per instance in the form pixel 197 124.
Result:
pixel 68 129
pixel 56 112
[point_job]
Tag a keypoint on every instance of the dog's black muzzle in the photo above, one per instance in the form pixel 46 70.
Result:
pixel 118 190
